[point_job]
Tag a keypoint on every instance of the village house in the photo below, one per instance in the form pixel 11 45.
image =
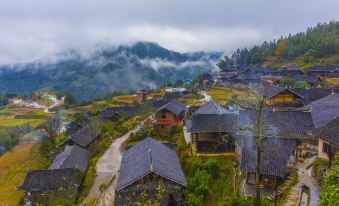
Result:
pixel 324 71
pixel 314 94
pixel 114 113
pixel 84 137
pixel 285 133
pixel 280 97
pixel 43 187
pixel 72 157
pixel 290 70
pixel 275 156
pixel 210 129
pixel 325 115
pixel 168 115
pixel 150 171
pixel 328 140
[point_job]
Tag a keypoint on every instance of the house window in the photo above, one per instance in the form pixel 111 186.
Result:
pixel 163 116
pixel 326 148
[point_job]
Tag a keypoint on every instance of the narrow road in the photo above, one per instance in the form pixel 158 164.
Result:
pixel 108 167
pixel 304 179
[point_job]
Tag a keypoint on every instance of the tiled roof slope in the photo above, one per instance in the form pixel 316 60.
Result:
pixel 282 124
pixel 149 156
pixel 329 132
pixel 72 157
pixel 49 180
pixel 275 154
pixel 174 106
pixel 323 110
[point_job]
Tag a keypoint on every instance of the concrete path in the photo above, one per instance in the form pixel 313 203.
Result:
pixel 108 167
pixel 206 98
pixel 304 179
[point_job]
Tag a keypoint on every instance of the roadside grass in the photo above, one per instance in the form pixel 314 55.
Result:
pixel 13 168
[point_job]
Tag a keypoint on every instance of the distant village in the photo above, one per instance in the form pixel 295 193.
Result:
pixel 297 123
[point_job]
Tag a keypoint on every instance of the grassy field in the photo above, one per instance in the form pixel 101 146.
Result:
pixel 223 95
pixel 13 168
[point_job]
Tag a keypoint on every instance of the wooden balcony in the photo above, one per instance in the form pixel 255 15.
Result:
pixel 168 122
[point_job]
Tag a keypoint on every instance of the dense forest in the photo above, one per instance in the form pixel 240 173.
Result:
pixel 319 45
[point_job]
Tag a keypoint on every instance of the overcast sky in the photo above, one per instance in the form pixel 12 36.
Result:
pixel 32 29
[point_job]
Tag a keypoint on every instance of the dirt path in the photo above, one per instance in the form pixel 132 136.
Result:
pixel 108 167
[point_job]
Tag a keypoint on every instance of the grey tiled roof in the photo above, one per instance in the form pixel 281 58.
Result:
pixel 174 107
pixel 279 124
pixel 323 110
pixel 82 137
pixel 324 69
pixel 305 78
pixel 72 157
pixel 149 156
pixel 49 180
pixel 272 91
pixel 274 156
pixel 313 94
pixel 329 132
pixel 214 122
pixel 169 96
pixel 211 107
pixel 113 112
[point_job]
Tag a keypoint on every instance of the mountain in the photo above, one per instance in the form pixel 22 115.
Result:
pixel 317 46
pixel 106 70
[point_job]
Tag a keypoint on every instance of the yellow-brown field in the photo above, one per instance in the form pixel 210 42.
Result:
pixel 13 168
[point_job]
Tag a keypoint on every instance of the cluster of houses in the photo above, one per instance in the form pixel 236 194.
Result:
pixel 251 75
pixel 295 123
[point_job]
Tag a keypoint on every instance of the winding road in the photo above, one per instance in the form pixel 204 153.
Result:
pixel 108 167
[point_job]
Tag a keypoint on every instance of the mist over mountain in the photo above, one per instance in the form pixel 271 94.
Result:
pixel 105 70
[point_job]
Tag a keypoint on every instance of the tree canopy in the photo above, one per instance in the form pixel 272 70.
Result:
pixel 317 43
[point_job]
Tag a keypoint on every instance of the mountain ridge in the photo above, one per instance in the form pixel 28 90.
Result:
pixel 106 70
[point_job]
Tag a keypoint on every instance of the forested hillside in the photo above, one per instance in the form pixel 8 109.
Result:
pixel 319 45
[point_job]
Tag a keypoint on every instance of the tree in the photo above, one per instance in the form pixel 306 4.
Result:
pixel 52 126
pixel 95 126
pixel 69 100
pixel 287 82
pixel 329 193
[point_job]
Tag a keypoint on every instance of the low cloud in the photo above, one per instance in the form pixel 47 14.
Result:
pixel 34 29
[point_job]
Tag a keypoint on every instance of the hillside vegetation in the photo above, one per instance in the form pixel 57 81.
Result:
pixel 319 45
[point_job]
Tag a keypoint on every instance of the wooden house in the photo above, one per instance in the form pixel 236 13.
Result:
pixel 114 113
pixel 48 187
pixel 169 114
pixel 150 171
pixel 280 97
pixel 283 133
pixel 324 71
pixel 84 137
pixel 328 140
pixel 72 157
pixel 210 129
pixel 275 156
